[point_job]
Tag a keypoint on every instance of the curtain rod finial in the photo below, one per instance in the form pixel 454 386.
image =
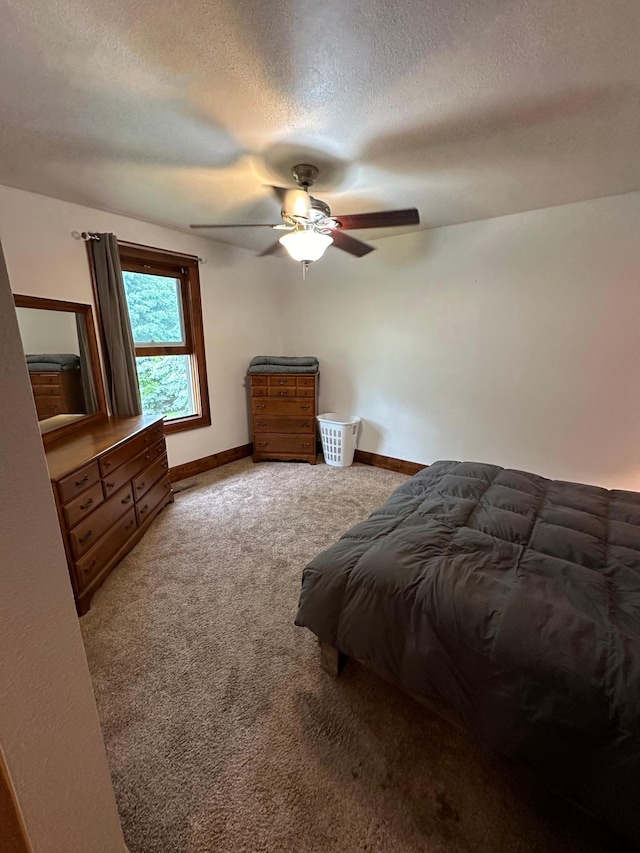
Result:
pixel 76 235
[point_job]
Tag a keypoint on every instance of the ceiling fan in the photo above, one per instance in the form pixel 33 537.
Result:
pixel 310 226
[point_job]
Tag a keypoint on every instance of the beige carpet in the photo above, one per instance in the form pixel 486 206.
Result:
pixel 221 730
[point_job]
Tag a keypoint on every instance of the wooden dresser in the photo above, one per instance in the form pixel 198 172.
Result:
pixel 57 393
pixel 283 410
pixel 109 484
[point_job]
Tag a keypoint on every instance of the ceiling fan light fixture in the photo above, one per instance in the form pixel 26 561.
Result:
pixel 306 245
pixel 296 204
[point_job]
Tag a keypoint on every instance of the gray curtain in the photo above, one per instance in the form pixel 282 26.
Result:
pixel 88 391
pixel 120 363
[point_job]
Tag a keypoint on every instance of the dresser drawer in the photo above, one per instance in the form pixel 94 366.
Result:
pixel 122 453
pixel 153 498
pixel 268 443
pixel 155 432
pixel 275 423
pixel 84 504
pixel 96 558
pixel 50 390
pixel 282 392
pixel 47 407
pixel 87 532
pixel 70 487
pixel 158 448
pixel 45 378
pixel 305 392
pixel 258 391
pixel 258 380
pixel 113 481
pixel 278 380
pixel 271 406
pixel 306 381
pixel 149 476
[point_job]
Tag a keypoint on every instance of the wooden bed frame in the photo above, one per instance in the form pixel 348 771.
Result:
pixel 333 661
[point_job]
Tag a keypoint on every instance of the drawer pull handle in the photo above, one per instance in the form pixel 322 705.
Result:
pixel 144 509
pixel 88 568
pixel 140 485
pixel 165 464
pixel 82 481
pixel 87 504
pixel 282 393
pixel 86 537
pixel 159 447
pixel 147 457
pixel 306 444
pixel 146 439
pixel 305 425
pixel 262 444
pixel 282 382
pixel 305 407
pixel 262 423
pixel 107 464
pixel 110 485
pixel 129 525
pixel 126 499
pixel 261 406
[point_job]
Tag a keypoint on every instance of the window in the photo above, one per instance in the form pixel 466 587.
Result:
pixel 163 298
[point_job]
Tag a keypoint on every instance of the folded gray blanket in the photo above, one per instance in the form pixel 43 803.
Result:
pixel 52 362
pixel 284 364
pixel 286 360
pixel 281 368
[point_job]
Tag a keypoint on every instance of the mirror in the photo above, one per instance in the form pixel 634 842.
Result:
pixel 60 347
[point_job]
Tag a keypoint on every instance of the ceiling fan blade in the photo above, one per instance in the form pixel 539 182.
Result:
pixel 380 219
pixel 350 244
pixel 274 249
pixel 237 225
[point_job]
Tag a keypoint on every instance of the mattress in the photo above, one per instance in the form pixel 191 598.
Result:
pixel 516 600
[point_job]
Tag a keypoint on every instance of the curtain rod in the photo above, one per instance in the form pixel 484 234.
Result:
pixel 89 236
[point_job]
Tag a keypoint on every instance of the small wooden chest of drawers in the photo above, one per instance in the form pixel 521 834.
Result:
pixel 283 412
pixel 57 393
pixel 109 483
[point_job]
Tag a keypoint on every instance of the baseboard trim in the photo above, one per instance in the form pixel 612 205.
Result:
pixel 206 463
pixel 388 462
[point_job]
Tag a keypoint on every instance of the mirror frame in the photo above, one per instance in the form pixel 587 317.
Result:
pixel 22 301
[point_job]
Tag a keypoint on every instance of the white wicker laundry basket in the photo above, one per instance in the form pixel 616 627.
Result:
pixel 338 433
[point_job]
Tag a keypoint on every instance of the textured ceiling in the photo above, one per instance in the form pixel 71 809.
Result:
pixel 179 111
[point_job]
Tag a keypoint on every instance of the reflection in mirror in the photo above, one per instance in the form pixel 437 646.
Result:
pixel 56 346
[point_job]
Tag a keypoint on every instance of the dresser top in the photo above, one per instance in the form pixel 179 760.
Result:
pixel 67 455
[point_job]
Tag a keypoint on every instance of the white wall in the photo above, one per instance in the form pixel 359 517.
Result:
pixel 43 331
pixel 241 297
pixel 49 731
pixel 513 340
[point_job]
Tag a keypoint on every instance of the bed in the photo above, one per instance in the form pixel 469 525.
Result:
pixel 513 601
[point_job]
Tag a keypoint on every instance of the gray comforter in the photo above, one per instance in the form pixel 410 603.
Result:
pixel 514 599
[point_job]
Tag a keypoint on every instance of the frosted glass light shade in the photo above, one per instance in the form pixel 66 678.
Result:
pixel 306 246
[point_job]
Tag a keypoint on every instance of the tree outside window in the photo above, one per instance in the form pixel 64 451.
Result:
pixel 163 298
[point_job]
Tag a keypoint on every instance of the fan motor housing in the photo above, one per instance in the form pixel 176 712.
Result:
pixel 318 211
